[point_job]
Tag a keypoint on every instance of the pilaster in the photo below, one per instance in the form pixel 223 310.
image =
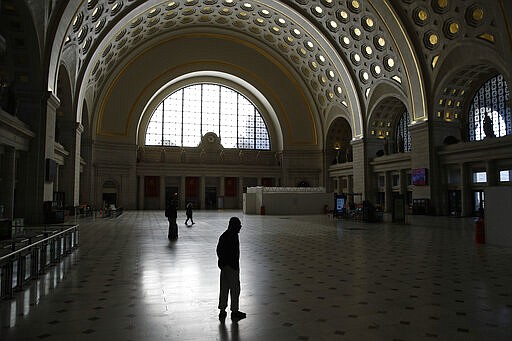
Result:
pixel 360 168
pixel 162 192
pixel 420 158
pixel 140 191
pixel 465 190
pixel 182 190
pixel 8 182
pixel 202 184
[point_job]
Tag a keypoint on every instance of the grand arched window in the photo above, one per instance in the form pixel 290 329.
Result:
pixel 491 103
pixel 190 112
pixel 403 137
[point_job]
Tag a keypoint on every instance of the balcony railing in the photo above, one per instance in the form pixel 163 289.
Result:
pixel 31 252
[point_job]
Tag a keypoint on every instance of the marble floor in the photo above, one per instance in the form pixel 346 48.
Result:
pixel 303 278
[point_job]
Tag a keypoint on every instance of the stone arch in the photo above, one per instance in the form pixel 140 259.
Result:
pixel 65 118
pixel 333 114
pixel 337 142
pixel 297 111
pixel 110 192
pixel 459 77
pixel 384 90
pixel 414 82
pixel 21 70
pixel 248 90
pixel 382 123
pixel 66 130
pixel 100 56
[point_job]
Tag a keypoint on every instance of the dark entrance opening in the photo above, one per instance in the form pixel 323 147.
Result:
pixel 210 198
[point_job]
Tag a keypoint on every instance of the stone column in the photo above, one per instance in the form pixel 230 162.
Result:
pixel 222 192
pixel 162 192
pixel 86 174
pixel 42 108
pixel 350 184
pixel 403 184
pixel 360 168
pixel 8 182
pixel 240 191
pixel 202 189
pixel 182 192
pixel 388 192
pixel 141 192
pixel 492 173
pixel 49 144
pixel 465 190
pixel 70 180
pixel 222 184
pixel 420 158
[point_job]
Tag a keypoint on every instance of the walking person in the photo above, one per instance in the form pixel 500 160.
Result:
pixel 171 213
pixel 228 253
pixel 189 214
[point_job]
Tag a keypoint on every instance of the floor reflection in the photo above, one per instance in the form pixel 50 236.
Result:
pixel 302 278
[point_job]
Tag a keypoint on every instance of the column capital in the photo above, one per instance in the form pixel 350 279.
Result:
pixel 79 127
pixel 52 100
pixel 418 126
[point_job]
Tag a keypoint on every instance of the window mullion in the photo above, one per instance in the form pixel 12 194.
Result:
pixel 201 113
pixel 182 111
pixel 163 120
pixel 237 121
pixel 220 108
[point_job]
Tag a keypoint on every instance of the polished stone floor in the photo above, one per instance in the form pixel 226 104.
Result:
pixel 303 278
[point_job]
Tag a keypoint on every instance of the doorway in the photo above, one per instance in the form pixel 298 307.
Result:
pixel 109 195
pixel 454 203
pixel 210 198
pixel 110 199
pixel 478 201
pixel 398 213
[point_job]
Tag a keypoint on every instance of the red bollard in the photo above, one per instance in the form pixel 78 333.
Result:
pixel 262 210
pixel 480 231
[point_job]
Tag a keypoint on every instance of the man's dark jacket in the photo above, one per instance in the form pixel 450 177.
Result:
pixel 228 249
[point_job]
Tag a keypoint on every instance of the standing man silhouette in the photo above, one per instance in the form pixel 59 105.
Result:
pixel 228 253
pixel 172 214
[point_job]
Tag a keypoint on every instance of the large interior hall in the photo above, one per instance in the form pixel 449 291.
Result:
pixel 396 111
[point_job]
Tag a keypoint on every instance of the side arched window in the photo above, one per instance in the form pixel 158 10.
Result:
pixel 490 111
pixel 403 137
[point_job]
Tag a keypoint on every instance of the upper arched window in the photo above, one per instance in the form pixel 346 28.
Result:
pixel 403 137
pixel 190 112
pixel 490 110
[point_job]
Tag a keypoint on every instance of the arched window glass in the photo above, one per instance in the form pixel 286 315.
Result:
pixel 189 113
pixel 492 100
pixel 403 138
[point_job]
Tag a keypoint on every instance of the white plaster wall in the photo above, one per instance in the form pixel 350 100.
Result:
pixel 287 203
pixel 498 215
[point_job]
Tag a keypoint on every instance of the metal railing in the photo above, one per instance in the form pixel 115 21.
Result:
pixel 31 251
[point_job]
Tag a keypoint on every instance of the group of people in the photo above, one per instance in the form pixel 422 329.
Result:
pixel 228 254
